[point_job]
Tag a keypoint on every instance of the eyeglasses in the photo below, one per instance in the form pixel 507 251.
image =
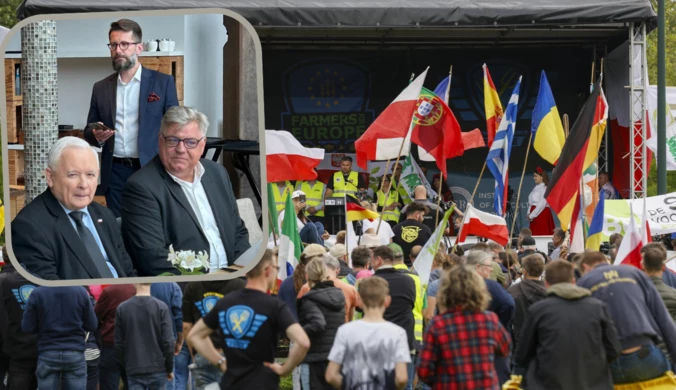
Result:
pixel 122 45
pixel 190 143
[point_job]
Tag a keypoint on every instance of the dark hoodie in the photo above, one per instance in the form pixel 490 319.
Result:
pixel 567 342
pixel 321 311
pixel 525 293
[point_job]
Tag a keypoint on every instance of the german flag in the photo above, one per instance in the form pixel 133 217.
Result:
pixel 579 151
pixel 355 212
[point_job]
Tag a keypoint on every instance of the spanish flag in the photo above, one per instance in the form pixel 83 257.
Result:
pixel 355 212
pixel 546 124
pixel 595 233
pixel 563 190
pixel 493 107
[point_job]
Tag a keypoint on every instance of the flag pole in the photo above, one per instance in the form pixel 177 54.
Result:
pixel 441 175
pixel 477 183
pixel 518 194
pixel 272 228
pixel 387 195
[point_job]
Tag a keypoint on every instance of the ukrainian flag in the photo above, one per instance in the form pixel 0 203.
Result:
pixel 546 124
pixel 595 233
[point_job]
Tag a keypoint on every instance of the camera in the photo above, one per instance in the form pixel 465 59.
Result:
pixel 605 248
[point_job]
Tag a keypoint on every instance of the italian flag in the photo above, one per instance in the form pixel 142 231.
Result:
pixel 481 224
pixel 383 139
pixel 290 245
pixel 287 159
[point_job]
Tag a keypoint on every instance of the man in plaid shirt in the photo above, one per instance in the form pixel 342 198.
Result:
pixel 460 344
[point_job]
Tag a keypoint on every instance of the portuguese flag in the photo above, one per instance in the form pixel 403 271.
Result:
pixel 563 190
pixel 436 129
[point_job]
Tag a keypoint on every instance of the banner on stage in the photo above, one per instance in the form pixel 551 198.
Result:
pixel 661 213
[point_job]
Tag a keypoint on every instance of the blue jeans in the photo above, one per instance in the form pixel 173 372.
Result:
pixel 205 373
pixel 110 370
pixel 312 232
pixel 66 370
pixel 181 371
pixel 411 372
pixel 156 381
pixel 304 376
pixel 645 364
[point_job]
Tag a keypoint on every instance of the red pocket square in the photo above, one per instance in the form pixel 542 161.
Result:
pixel 153 97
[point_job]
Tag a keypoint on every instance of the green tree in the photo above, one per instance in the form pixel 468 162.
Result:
pixel 670 32
pixel 8 13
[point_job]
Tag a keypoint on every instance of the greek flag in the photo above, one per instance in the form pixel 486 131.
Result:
pixel 497 160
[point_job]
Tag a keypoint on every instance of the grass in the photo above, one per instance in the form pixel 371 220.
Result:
pixel 286 383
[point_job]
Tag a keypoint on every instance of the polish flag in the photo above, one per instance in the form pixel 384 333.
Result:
pixel 481 224
pixel 287 159
pixel 629 252
pixel 383 139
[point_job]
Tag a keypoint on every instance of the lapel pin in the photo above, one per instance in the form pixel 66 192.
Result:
pixel 99 221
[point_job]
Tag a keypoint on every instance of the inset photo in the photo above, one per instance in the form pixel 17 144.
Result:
pixel 129 152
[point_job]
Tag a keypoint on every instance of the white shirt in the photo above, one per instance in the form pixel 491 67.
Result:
pixel 537 198
pixel 280 222
pixel 126 116
pixel 200 205
pixel 608 191
pixel 385 233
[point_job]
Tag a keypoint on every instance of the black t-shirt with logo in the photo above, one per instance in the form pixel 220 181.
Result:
pixel 250 322
pixel 200 297
pixel 409 234
pixel 15 292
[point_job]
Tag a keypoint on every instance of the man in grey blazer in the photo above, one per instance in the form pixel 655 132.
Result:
pixel 182 200
pixel 130 103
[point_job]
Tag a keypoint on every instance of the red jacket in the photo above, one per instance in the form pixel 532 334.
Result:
pixel 106 306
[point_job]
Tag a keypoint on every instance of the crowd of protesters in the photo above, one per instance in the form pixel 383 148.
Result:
pixel 359 321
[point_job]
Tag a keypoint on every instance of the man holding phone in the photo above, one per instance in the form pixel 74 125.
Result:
pixel 125 112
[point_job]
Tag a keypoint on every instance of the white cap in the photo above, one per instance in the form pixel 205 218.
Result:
pixel 297 194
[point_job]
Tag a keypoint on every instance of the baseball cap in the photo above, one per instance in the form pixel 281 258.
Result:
pixel 370 240
pixel 396 249
pixel 338 251
pixel 297 194
pixel 314 250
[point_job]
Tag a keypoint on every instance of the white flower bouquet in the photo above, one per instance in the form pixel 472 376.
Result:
pixel 188 262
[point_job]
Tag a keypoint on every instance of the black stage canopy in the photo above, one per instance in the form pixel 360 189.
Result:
pixel 384 14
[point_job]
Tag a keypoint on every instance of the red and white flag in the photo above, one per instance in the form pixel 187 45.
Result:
pixel 481 224
pixel 287 159
pixel 383 139
pixel 629 252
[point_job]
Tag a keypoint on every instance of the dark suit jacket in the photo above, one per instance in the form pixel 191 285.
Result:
pixel 156 213
pixel 46 243
pixel 103 108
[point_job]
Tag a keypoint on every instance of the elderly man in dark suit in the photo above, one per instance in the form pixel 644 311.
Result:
pixel 62 234
pixel 182 200
pixel 129 104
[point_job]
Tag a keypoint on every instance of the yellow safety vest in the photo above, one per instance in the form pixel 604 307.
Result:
pixel 280 200
pixel 393 197
pixel 340 187
pixel 403 195
pixel 418 306
pixel 314 195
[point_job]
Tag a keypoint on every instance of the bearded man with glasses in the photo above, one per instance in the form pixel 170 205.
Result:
pixel 125 112
pixel 183 200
